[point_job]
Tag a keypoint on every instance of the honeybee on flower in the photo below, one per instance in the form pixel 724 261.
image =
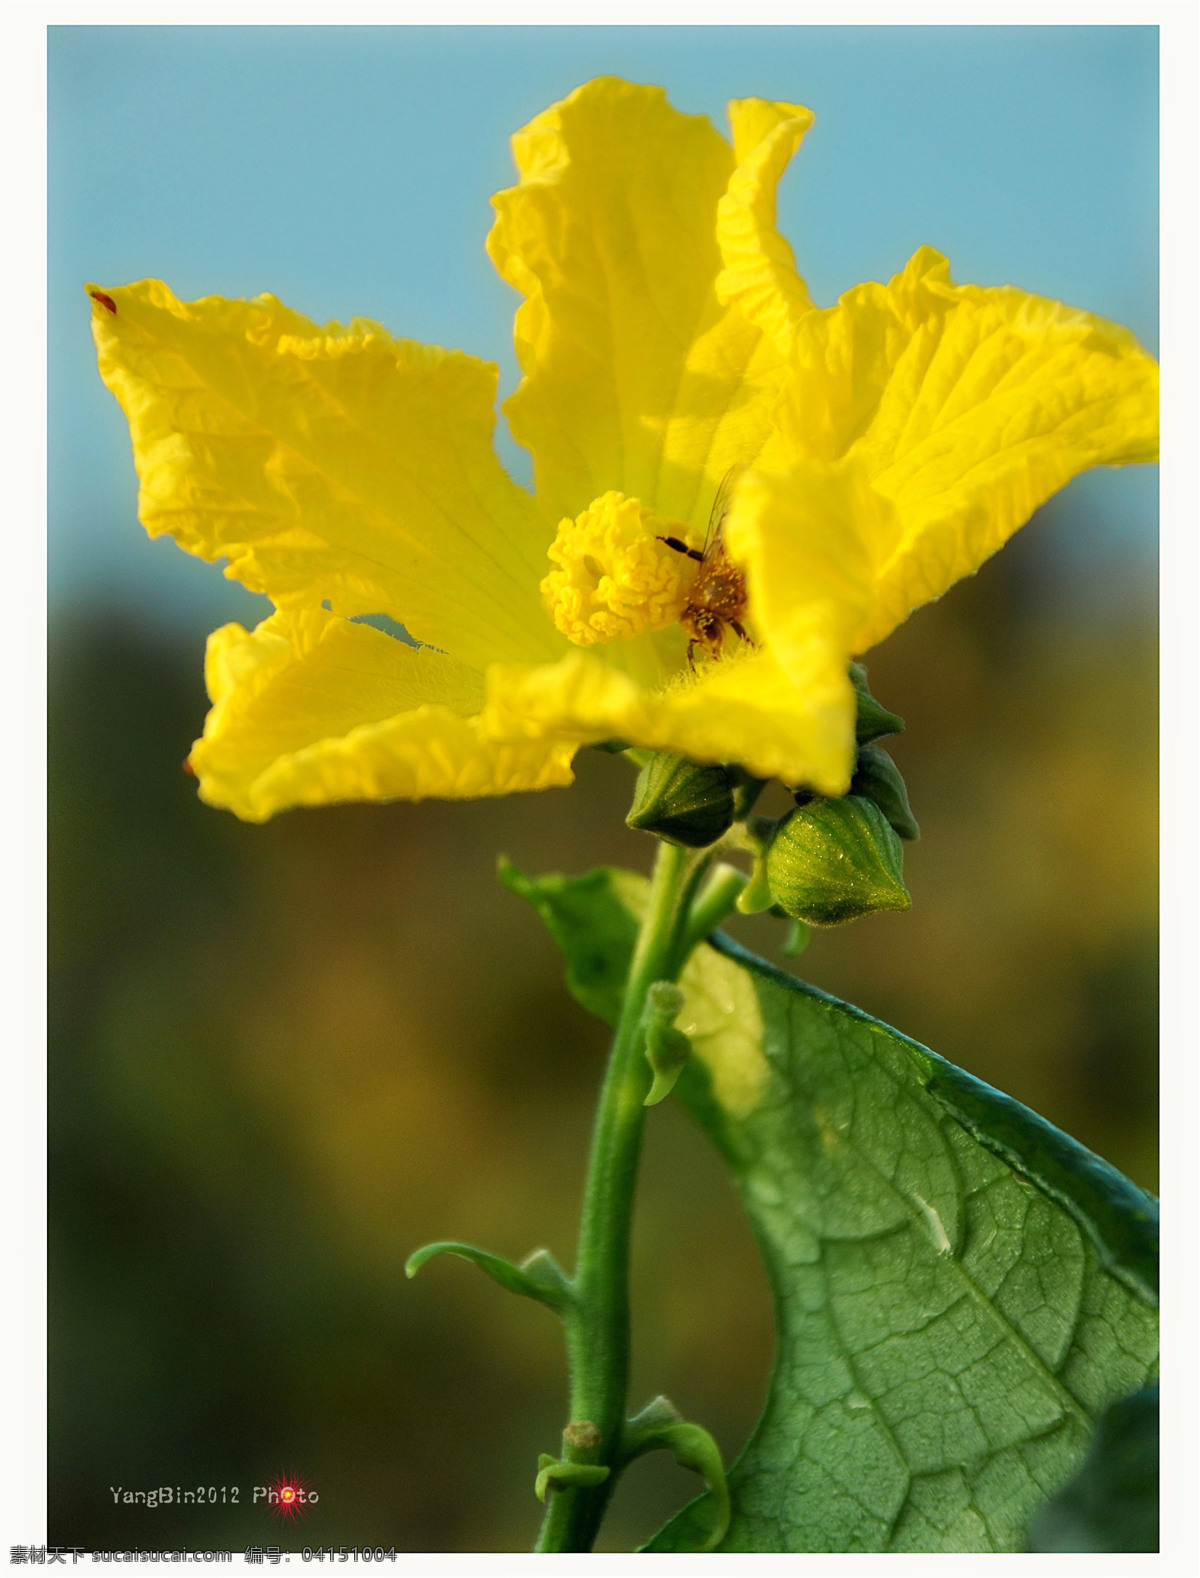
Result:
pixel 718 594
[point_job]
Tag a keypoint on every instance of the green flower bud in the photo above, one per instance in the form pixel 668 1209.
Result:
pixel 834 860
pixel 683 802
pixel 873 720
pixel 877 778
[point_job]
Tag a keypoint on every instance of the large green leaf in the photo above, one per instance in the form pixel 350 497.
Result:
pixel 1112 1503
pixel 961 1290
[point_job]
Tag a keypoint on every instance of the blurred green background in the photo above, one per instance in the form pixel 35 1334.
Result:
pixel 284 1056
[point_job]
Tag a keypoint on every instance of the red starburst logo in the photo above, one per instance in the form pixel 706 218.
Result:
pixel 288 1497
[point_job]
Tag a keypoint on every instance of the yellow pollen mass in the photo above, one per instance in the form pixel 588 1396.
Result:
pixel 612 577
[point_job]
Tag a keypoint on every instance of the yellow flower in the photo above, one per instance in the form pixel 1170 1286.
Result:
pixel 883 448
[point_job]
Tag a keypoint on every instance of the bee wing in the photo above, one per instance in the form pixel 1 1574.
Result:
pixel 720 509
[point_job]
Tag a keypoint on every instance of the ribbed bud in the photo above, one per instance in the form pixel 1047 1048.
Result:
pixel 832 861
pixel 877 778
pixel 873 721
pixel 682 801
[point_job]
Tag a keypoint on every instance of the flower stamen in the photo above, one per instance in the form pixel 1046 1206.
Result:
pixel 614 577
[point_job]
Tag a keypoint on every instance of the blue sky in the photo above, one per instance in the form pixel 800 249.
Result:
pixel 348 170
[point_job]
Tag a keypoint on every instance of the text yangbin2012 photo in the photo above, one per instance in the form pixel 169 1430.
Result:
pixel 603 883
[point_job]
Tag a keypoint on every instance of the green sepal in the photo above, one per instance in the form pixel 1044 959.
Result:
pixel 832 861
pixel 555 1473
pixel 682 802
pixel 659 1426
pixel 667 1049
pixel 540 1277
pixel 611 747
pixel 873 721
pixel 877 778
pixel 796 941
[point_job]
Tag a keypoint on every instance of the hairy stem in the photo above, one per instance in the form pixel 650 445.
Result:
pixel 711 906
pixel 597 1323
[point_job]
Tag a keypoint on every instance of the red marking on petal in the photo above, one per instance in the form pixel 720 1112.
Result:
pixel 188 768
pixel 105 301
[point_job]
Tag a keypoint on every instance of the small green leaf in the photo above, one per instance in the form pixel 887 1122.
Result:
pixel 555 1474
pixel 667 1049
pixel 1112 1503
pixel 961 1289
pixel 540 1277
pixel 594 920
pixel 659 1427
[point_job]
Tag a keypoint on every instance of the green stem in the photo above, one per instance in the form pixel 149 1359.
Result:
pixel 711 907
pixel 597 1321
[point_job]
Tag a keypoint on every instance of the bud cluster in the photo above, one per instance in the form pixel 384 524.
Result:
pixel 833 860
pixel 828 861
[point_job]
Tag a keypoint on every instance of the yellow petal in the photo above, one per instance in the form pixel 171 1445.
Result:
pixel 744 709
pixel 636 377
pixel 810 540
pixel 309 709
pixel 336 465
pixel 965 408
pixel 759 267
